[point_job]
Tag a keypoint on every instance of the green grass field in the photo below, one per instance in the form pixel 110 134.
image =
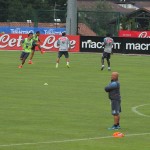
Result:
pixel 72 112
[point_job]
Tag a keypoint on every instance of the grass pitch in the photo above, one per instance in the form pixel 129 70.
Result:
pixel 73 107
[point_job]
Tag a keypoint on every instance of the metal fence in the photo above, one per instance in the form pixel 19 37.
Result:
pixel 100 22
pixel 89 22
pixel 35 18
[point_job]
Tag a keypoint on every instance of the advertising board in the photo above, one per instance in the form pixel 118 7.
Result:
pixel 49 42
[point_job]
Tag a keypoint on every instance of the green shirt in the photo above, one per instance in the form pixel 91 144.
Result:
pixel 27 45
pixel 35 38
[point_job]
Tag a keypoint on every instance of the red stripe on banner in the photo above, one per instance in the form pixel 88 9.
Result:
pixel 134 34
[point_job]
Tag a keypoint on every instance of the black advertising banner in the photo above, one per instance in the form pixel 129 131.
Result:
pixel 121 45
pixel 135 45
pixel 95 46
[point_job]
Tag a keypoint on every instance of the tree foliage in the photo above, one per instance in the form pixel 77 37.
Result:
pixel 21 10
pixel 98 20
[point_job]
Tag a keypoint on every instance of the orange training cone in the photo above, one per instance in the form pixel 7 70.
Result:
pixel 118 135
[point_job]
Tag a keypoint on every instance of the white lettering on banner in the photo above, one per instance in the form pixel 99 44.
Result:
pixel 137 46
pixel 93 45
pixel 5 41
pixel 85 44
pixel 144 35
pixel 134 34
pixel 116 45
pixel 99 45
pixel 52 42
pixel 49 42
pixel 12 42
pixel 19 31
pixel 52 31
pixel 19 41
pixel 72 43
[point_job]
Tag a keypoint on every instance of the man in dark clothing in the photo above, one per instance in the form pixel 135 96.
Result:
pixel 113 90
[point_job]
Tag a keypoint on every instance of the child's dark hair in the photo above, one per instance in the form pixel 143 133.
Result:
pixel 63 33
pixel 30 34
pixel 37 32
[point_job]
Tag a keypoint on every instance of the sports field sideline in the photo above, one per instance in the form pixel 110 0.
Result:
pixel 73 111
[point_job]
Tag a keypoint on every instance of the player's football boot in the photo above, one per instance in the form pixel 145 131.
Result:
pixel 102 67
pixel 20 66
pixel 119 127
pixel 109 69
pixel 68 66
pixel 30 62
pixel 114 127
pixel 42 51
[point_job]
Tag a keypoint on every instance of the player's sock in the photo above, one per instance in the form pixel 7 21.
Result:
pixel 109 68
pixel 68 64
pixel 56 65
pixel 102 67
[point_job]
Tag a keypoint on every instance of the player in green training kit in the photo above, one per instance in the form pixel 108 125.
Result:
pixel 27 44
pixel 37 41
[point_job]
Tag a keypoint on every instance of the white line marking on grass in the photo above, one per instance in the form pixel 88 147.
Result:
pixel 134 109
pixel 72 140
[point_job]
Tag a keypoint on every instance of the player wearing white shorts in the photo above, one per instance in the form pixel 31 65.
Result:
pixel 64 45
pixel 108 43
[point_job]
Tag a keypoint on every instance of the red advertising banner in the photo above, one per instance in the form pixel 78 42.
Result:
pixel 49 42
pixel 134 34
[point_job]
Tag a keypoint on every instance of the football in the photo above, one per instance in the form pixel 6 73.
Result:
pixel 89 41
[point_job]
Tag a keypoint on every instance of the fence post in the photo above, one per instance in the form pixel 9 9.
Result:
pixel 36 18
pixel 71 21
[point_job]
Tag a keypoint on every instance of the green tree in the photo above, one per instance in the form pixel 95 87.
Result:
pixel 15 11
pixel 3 10
pixel 124 23
pixel 20 10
